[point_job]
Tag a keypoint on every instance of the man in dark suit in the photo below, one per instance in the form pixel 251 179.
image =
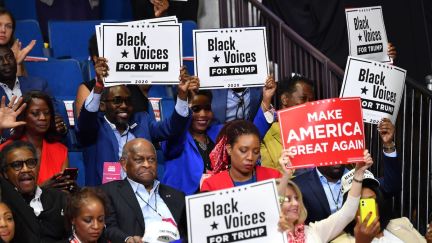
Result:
pixel 103 134
pixel 141 199
pixel 39 212
pixel 320 187
pixel 11 85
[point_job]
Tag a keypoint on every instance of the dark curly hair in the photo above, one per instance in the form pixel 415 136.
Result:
pixel 76 200
pixel 234 129
pixel 51 135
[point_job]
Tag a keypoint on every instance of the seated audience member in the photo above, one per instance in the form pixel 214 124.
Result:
pixel 104 133
pixel 9 195
pixel 139 93
pixel 141 200
pixel 42 208
pixel 7 32
pixel 239 103
pixel 294 213
pixel 298 90
pixel 12 85
pixel 86 211
pixel 383 228
pixel 234 158
pixel 321 187
pixel 7 223
pixel 147 9
pixel 187 156
pixel 40 130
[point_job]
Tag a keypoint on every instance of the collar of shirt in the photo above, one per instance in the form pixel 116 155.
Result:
pixel 137 186
pixel 237 95
pixel 16 90
pixel 36 203
pixel 114 128
pixel 17 84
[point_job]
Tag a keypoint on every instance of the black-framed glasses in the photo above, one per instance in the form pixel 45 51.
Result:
pixel 119 100
pixel 198 108
pixel 19 164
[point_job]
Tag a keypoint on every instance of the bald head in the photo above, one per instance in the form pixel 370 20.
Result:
pixel 139 161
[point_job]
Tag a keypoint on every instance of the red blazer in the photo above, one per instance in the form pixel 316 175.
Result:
pixel 223 180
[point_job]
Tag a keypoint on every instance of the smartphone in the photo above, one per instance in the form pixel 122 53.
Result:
pixel 368 205
pixel 71 172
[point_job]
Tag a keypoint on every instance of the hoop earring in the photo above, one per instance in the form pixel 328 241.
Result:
pixel 73 229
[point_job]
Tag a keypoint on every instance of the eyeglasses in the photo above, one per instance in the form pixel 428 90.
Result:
pixel 198 108
pixel 119 100
pixel 19 164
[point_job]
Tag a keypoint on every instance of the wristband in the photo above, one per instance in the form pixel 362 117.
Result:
pixel 358 181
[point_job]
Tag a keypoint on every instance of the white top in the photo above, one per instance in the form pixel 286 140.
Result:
pixel 387 238
pixel 327 229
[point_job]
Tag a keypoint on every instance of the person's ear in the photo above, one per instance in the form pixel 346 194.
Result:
pixel 229 149
pixel 123 163
pixel 102 106
pixel 284 100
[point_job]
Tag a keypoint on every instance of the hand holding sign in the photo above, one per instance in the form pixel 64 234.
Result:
pixel 285 161
pixel 386 130
pixel 362 166
pixel 186 85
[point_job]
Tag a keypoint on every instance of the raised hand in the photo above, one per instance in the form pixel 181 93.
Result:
pixel 391 51
pixel 367 162
pixel 160 7
pixel 285 161
pixel 21 53
pixel 269 90
pixel 101 69
pixel 386 131
pixel 8 114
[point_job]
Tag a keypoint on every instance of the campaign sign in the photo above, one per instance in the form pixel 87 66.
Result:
pixel 366 33
pixel 235 215
pixel 142 54
pixel 379 85
pixel 111 172
pixel 323 132
pixel 230 58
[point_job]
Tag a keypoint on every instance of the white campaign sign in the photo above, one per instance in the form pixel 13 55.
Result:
pixel 379 85
pixel 142 53
pixel 366 33
pixel 231 58
pixel 247 213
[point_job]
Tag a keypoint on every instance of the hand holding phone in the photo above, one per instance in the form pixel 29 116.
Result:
pixel 71 172
pixel 368 205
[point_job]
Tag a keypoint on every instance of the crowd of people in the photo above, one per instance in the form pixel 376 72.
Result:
pixel 213 140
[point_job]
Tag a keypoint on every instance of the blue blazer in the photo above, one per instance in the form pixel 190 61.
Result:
pixel 184 165
pixel 100 143
pixel 33 83
pixel 314 197
pixel 219 103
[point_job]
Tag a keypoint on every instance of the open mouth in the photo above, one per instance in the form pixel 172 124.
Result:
pixel 26 180
pixel 123 115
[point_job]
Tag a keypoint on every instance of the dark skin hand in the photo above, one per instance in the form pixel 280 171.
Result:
pixel 60 182
pixel 386 130
pixel 187 84
pixel 364 233
pixel 60 125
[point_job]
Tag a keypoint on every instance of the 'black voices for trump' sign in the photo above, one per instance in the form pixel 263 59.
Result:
pixel 231 58
pixel 235 215
pixel 143 53
pixel 366 33
pixel 380 87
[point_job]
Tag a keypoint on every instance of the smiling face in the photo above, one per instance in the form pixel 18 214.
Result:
pixel 202 114
pixel 291 206
pixel 6 29
pixel 7 223
pixel 24 179
pixel 8 65
pixel 244 153
pixel 90 221
pixel 117 105
pixel 38 117
pixel 140 164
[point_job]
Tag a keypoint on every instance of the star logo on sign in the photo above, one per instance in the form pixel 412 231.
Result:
pixel 364 90
pixel 214 225
pixel 360 37
pixel 124 53
pixel 216 58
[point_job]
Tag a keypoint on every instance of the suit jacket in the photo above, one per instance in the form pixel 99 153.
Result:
pixel 402 228
pixel 32 83
pixel 223 180
pixel 183 161
pixel 125 216
pixel 314 197
pixel 219 103
pixel 100 143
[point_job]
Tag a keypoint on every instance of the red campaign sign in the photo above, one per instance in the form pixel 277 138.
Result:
pixel 323 132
